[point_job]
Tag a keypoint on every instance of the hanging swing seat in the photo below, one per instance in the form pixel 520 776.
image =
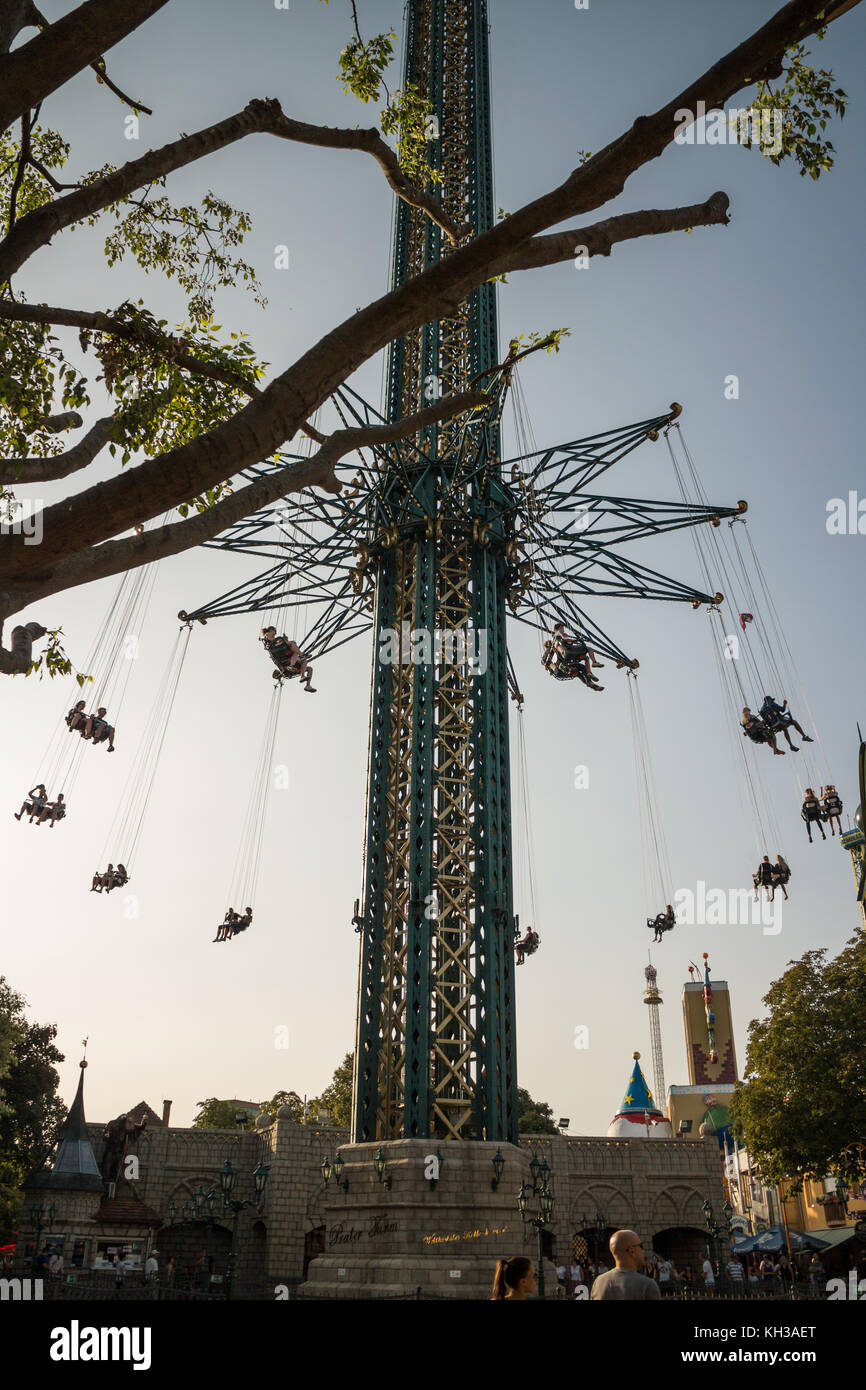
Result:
pixel 565 660
pixel 660 923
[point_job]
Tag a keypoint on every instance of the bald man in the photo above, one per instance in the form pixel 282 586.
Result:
pixel 625 1283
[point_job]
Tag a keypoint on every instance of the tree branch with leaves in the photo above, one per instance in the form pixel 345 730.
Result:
pixel 201 408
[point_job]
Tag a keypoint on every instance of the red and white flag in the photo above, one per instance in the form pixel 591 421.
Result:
pixel 745 618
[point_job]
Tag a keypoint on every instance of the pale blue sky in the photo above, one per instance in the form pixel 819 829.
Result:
pixel 776 297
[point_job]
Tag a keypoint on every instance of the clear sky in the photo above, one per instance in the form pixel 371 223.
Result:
pixel 775 298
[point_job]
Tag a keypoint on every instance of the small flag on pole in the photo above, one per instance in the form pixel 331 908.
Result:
pixel 745 618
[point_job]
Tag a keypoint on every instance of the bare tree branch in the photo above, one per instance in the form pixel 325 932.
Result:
pixel 102 76
pixel 114 557
pixel 599 238
pixel 16 15
pixel 257 117
pixel 49 470
pixel 259 428
pixel 172 349
pixel 63 49
pixel 16 661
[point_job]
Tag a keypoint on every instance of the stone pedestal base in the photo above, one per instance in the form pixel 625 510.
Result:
pixel 418 1239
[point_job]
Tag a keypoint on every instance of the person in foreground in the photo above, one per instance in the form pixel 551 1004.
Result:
pixel 624 1282
pixel 514 1279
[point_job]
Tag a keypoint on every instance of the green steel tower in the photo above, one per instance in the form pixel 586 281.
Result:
pixel 435 1048
pixel 430 543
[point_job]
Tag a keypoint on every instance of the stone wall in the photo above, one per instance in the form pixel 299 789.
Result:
pixel 655 1186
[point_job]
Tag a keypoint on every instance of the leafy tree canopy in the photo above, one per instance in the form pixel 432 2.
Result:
pixel 533 1116
pixel 30 1110
pixel 802 1106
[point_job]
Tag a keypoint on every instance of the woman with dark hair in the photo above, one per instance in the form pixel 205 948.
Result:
pixel 514 1278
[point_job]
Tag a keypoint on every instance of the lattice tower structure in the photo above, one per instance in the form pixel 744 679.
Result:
pixel 435 1046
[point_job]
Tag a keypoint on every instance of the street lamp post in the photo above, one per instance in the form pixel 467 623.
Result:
pixel 203 1209
pixel 37 1215
pixel 230 1203
pixel 716 1231
pixel 540 1188
pixel 597 1231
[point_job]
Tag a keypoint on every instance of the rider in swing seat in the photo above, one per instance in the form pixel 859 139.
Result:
pixel 242 922
pixel 76 718
pixel 98 729
pixel 53 811
pixel 831 807
pixel 756 730
pixel 779 719
pixel 812 813
pixel 526 946
pixel 567 656
pixel 226 926
pixel 37 800
pixel 763 877
pixel 663 922
pixel 103 881
pixel 287 657
pixel 781 875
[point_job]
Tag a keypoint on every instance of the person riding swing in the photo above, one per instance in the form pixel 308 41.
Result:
pixel 759 732
pixel 526 946
pixel 98 729
pixel 779 719
pixel 103 882
pixel 76 718
pixel 567 656
pixel 812 813
pixel 37 800
pixel 226 926
pixel 287 657
pixel 781 875
pixel 763 877
pixel 831 807
pixel 53 811
pixel 664 921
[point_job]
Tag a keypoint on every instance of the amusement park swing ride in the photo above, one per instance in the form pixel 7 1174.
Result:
pixel 433 544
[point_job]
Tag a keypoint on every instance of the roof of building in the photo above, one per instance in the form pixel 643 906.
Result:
pixel 75 1167
pixel 143 1111
pixel 128 1210
pixel 638 1114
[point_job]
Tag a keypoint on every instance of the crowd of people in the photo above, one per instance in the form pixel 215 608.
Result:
pixel 639 1275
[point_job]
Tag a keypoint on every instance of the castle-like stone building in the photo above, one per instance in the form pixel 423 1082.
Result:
pixel 385 1225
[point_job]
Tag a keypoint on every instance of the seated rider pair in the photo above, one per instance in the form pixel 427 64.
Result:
pixel 39 808
pixel 829 807
pixel 779 719
pixel 93 726
pixel 663 922
pixel 112 878
pixel 526 946
pixel 772 876
pixel 233 922
pixel 566 656
pixel 287 657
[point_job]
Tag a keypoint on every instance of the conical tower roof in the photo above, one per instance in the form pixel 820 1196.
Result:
pixel 75 1167
pixel 638 1116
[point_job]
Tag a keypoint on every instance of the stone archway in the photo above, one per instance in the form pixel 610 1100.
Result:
pixel 198 1253
pixel 686 1246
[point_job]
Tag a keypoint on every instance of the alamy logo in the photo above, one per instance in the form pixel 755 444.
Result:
pixel 20 1290
pixel 459 646
pixel 77 1343
pixel 740 126
pixel 727 907
pixel 24 518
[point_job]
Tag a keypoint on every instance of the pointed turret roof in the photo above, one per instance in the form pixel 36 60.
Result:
pixel 638 1096
pixel 638 1115
pixel 75 1167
